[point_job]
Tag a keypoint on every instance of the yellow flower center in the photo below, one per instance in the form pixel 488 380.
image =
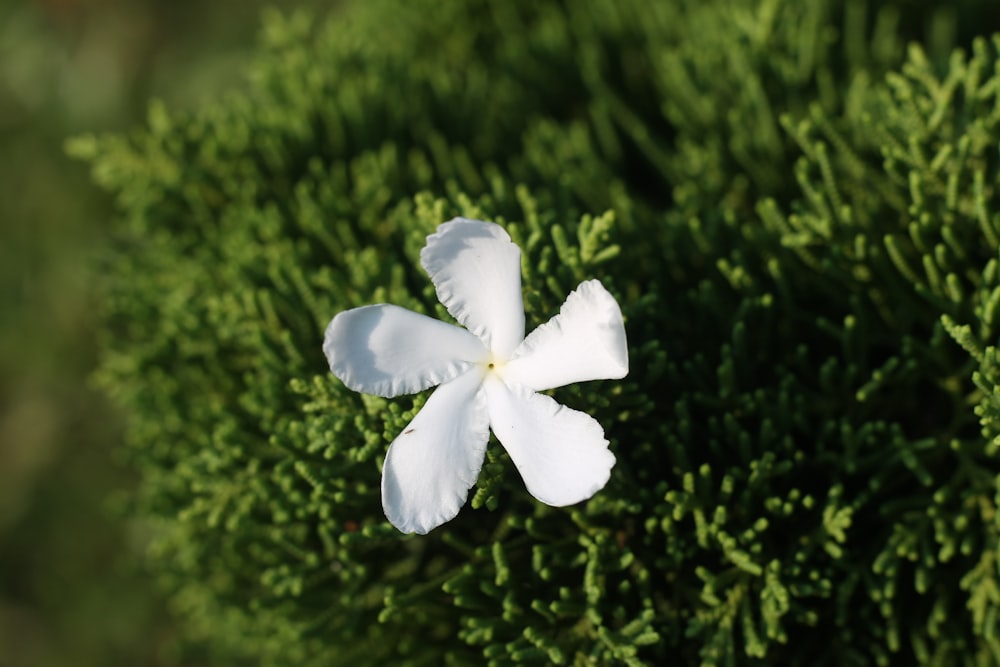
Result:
pixel 493 364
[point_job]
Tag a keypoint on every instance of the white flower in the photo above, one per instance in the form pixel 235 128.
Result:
pixel 488 377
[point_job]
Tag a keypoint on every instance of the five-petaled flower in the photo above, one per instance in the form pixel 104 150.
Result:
pixel 488 374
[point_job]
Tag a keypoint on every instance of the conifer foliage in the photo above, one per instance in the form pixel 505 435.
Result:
pixel 796 205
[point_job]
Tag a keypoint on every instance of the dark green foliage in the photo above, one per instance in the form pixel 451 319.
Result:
pixel 800 217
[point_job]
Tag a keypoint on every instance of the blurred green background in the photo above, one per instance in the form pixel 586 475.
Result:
pixel 71 590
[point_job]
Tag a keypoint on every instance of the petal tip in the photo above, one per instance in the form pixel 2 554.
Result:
pixel 598 482
pixel 457 223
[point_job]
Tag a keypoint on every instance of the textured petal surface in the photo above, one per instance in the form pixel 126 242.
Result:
pixel 387 350
pixel 585 341
pixel 561 453
pixel 433 463
pixel 476 270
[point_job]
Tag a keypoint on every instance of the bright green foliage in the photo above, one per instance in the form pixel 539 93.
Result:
pixel 800 215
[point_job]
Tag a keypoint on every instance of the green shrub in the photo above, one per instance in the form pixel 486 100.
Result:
pixel 799 215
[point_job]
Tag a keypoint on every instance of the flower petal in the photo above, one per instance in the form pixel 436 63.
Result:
pixel 433 463
pixel 561 453
pixel 476 270
pixel 585 341
pixel 387 350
